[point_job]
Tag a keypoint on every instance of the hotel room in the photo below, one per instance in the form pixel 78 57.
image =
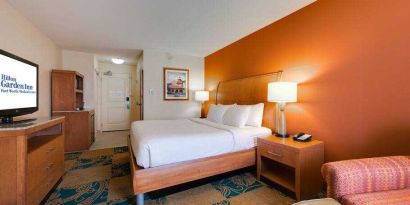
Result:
pixel 205 102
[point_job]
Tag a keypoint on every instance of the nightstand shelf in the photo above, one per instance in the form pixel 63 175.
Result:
pixel 292 165
pixel 279 173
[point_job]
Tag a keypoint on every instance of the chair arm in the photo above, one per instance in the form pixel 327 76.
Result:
pixel 366 175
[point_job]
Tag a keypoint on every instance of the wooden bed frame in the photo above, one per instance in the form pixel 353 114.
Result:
pixel 250 90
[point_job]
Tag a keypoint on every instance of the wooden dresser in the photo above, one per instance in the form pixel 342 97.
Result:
pixel 31 160
pixel 291 164
pixel 67 99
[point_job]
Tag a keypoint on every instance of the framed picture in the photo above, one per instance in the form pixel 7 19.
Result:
pixel 176 84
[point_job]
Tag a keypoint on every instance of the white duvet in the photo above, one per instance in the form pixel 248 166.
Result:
pixel 161 142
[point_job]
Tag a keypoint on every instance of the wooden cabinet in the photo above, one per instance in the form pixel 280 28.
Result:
pixel 66 90
pixel 32 160
pixel 79 129
pixel 291 164
pixel 68 100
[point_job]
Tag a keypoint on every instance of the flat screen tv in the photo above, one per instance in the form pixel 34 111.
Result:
pixel 18 86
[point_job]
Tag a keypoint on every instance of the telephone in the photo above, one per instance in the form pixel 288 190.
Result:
pixel 302 137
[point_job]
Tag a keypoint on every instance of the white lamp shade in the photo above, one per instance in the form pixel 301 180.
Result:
pixel 282 92
pixel 202 96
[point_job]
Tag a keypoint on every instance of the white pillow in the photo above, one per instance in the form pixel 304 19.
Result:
pixel 216 113
pixel 255 115
pixel 236 116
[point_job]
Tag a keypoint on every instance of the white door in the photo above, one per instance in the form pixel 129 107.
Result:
pixel 115 100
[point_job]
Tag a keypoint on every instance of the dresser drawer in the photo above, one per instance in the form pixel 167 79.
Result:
pixel 41 169
pixel 36 195
pixel 42 173
pixel 40 155
pixel 40 190
pixel 278 153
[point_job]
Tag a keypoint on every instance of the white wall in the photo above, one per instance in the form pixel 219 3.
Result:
pixel 154 105
pixel 83 63
pixel 20 37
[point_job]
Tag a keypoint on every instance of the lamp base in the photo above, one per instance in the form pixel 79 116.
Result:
pixel 203 110
pixel 281 135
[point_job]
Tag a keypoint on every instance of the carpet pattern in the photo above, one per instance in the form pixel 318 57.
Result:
pixel 103 177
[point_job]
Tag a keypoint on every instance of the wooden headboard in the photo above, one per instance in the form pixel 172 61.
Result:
pixel 250 90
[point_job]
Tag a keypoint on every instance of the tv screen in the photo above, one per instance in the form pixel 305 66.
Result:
pixel 18 85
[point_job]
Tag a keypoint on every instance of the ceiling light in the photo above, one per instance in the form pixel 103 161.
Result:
pixel 117 60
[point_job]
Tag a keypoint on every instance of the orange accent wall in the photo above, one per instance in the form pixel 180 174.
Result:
pixel 352 61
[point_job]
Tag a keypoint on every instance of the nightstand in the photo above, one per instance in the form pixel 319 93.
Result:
pixel 291 164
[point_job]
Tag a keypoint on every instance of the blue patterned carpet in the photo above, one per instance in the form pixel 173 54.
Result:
pixel 103 177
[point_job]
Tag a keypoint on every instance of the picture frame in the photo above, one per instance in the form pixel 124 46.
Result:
pixel 176 84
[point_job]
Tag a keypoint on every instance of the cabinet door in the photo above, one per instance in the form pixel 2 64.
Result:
pixel 62 91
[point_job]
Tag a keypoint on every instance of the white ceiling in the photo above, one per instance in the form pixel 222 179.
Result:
pixel 191 27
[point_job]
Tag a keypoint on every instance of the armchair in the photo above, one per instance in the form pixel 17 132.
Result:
pixel 382 180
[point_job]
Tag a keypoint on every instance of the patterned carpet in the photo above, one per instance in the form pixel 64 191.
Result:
pixel 103 177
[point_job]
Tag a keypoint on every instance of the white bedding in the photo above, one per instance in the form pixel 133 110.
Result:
pixel 161 142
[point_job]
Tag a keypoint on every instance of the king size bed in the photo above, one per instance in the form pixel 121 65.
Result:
pixel 164 153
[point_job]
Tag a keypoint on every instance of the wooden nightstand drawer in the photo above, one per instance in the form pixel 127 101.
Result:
pixel 278 154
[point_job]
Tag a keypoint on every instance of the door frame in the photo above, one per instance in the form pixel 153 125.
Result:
pixel 141 94
pixel 118 103
pixel 99 76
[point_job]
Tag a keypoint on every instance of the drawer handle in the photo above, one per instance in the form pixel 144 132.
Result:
pixel 51 149
pixel 51 165
pixel 274 154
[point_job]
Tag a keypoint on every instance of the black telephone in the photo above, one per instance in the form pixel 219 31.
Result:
pixel 302 137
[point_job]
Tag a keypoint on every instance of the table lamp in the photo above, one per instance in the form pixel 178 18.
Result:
pixel 202 96
pixel 281 93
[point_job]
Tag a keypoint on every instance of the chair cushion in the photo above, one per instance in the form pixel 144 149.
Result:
pixel 394 197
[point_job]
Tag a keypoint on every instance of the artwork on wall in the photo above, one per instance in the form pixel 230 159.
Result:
pixel 176 84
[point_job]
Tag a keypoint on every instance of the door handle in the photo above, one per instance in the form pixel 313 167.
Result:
pixel 127 99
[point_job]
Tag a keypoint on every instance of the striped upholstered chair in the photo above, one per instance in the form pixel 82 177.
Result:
pixel 382 180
